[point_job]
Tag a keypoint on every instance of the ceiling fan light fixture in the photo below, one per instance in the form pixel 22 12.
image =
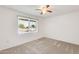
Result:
pixel 45 9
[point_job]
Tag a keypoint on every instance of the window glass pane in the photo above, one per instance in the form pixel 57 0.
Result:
pixel 32 25
pixel 23 26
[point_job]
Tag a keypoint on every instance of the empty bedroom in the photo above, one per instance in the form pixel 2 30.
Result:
pixel 39 29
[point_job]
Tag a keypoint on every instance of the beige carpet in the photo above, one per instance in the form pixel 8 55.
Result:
pixel 43 46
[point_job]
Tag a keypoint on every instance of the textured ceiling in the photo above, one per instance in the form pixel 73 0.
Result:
pixel 57 9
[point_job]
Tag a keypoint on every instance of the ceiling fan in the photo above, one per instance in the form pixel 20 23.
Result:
pixel 44 9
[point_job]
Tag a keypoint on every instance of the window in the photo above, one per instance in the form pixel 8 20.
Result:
pixel 27 25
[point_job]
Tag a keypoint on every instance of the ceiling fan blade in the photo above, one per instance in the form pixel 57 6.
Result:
pixel 37 9
pixel 47 6
pixel 49 11
pixel 41 13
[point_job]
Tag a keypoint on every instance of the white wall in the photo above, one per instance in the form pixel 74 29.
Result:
pixel 8 29
pixel 64 27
